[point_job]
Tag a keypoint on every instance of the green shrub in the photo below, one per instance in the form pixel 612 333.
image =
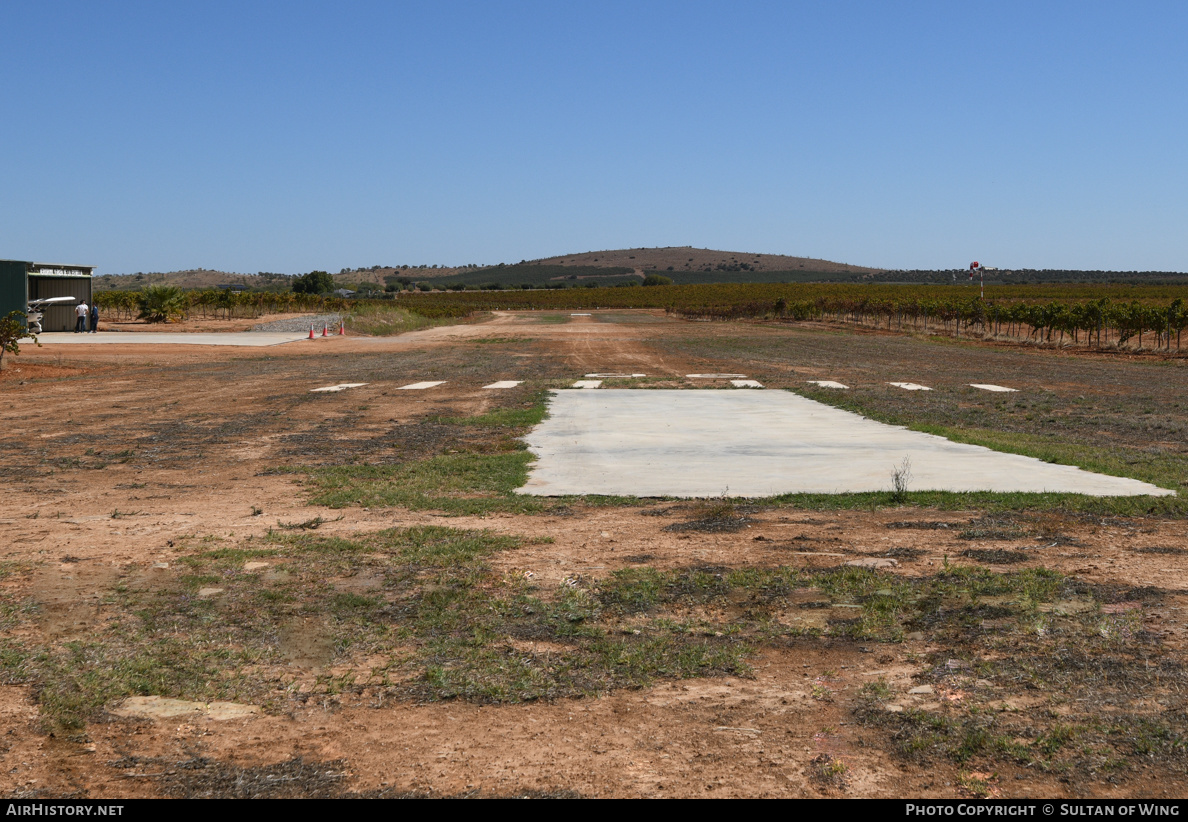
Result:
pixel 161 303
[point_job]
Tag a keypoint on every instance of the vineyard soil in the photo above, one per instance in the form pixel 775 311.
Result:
pixel 192 523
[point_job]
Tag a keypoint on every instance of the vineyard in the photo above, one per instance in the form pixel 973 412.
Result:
pixel 1095 315
pixel 218 303
pixel 1132 316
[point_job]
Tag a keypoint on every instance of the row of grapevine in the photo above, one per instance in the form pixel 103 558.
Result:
pixel 1096 315
pixel 125 305
pixel 1097 323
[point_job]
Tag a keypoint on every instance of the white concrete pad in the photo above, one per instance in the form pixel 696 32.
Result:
pixel 579 315
pixel 160 707
pixel 245 338
pixel 420 386
pixel 616 376
pixel 746 383
pixel 988 387
pixel 828 384
pixel 504 384
pixel 587 383
pixel 910 386
pixel 763 443
pixel 716 376
pixel 335 388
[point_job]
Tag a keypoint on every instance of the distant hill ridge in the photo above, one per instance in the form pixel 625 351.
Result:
pixel 680 258
pixel 687 258
pixel 683 264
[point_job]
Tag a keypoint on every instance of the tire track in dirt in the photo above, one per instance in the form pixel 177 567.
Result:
pixel 600 347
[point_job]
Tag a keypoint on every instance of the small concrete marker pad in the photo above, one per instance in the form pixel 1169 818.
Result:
pixel 579 315
pixel 873 562
pixel 696 443
pixel 504 384
pixel 746 383
pixel 716 376
pixel 987 387
pixel 616 376
pixel 910 386
pixel 160 707
pixel 420 386
pixel 587 383
pixel 828 384
pixel 340 387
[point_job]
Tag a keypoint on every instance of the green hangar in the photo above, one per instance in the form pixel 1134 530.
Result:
pixel 22 281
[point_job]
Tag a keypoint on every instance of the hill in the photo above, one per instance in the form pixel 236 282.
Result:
pixel 687 258
pixel 190 278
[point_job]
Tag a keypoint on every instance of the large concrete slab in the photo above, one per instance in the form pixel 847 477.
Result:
pixel 704 443
pixel 244 338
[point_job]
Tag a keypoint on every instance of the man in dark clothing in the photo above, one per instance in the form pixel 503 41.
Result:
pixel 94 318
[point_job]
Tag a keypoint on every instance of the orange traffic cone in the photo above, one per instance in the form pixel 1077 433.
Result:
pixel 311 332
pixel 341 328
pixel 325 330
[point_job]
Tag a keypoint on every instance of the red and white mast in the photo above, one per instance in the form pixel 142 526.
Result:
pixel 976 266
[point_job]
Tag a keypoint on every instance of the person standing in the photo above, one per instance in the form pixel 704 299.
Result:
pixel 94 318
pixel 80 312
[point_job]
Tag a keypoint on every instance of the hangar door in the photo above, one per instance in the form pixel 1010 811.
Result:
pixel 59 317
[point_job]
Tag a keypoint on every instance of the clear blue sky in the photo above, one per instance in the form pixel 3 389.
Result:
pixel 292 136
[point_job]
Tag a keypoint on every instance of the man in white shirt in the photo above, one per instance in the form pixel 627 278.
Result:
pixel 81 311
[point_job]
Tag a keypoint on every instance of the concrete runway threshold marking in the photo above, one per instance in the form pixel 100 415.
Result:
pixel 504 384
pixel 829 384
pixel 587 383
pixel 910 386
pixel 716 376
pixel 340 387
pixel 579 315
pixel 746 383
pixel 614 376
pixel 987 387
pixel 420 386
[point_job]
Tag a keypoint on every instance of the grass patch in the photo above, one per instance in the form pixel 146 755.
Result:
pixel 1165 470
pixel 1034 633
pixel 459 623
pixel 532 412
pixel 76 681
pixel 385 320
pixel 453 483
pixel 447 624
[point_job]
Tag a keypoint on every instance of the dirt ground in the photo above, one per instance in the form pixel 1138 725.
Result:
pixel 127 464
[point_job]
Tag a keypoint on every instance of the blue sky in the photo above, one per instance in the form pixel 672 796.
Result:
pixel 295 136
